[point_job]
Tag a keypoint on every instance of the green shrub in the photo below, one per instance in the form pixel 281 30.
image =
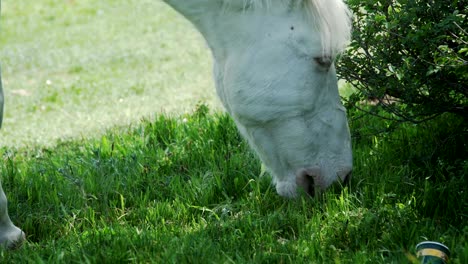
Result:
pixel 410 56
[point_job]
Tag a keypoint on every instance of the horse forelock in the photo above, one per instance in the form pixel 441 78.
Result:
pixel 333 20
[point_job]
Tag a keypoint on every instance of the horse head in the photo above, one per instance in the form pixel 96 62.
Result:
pixel 274 72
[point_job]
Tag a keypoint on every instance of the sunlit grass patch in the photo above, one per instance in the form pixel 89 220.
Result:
pixel 188 189
pixel 75 68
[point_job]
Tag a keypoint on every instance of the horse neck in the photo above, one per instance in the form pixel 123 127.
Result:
pixel 228 24
pixel 216 18
pixel 195 9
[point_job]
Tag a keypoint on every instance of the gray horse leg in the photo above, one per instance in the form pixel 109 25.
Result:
pixel 10 235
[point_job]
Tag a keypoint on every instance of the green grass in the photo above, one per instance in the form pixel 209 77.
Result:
pixel 186 188
pixel 74 68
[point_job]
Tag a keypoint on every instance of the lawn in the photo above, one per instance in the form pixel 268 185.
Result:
pixel 95 172
pixel 74 68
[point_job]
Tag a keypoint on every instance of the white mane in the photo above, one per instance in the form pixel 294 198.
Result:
pixel 331 17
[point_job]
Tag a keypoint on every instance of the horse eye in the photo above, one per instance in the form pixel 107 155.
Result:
pixel 324 62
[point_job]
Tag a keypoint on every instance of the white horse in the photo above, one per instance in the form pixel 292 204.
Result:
pixel 274 72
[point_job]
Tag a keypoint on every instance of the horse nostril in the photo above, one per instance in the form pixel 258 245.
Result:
pixel 347 178
pixel 306 183
pixel 310 186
